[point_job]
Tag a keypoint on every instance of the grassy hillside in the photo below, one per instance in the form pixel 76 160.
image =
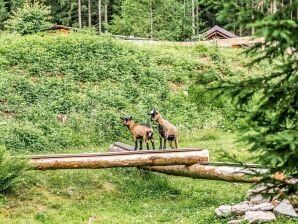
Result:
pixel 94 80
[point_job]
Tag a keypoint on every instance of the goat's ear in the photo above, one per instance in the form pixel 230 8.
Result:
pixel 130 117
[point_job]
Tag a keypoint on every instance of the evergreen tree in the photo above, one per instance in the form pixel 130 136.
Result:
pixel 269 103
pixel 29 19
pixel 152 19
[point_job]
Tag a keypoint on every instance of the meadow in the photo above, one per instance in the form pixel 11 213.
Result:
pixel 95 80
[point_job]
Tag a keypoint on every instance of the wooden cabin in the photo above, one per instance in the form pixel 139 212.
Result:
pixel 59 29
pixel 224 37
pixel 217 32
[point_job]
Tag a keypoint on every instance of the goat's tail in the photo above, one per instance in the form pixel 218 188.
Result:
pixel 149 134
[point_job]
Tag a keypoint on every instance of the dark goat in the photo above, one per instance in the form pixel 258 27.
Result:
pixel 141 132
pixel 166 130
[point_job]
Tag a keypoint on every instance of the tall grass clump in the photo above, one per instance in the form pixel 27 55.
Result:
pixel 11 170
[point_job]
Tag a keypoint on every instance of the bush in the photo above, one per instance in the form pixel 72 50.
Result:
pixel 29 19
pixel 11 170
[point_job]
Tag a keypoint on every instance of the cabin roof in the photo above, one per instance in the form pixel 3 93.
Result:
pixel 59 27
pixel 217 30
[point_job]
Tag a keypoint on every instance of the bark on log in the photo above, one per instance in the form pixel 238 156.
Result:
pixel 210 172
pixel 230 172
pixel 119 159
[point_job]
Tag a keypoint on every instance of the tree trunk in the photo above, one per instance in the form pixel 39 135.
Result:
pixel 151 20
pixel 193 16
pixel 253 18
pixel 119 159
pixel 291 14
pixel 197 18
pixel 80 14
pixel 184 8
pixel 106 15
pixel 89 13
pixel 99 16
pixel 274 6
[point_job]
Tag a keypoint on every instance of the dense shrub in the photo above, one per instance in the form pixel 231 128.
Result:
pixel 11 170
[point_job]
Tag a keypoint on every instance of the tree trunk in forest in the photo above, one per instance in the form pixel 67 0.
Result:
pixel 89 13
pixel 151 19
pixel 197 19
pixel 79 14
pixel 291 14
pixel 119 159
pixel 106 15
pixel 193 17
pixel 184 8
pixel 274 6
pixel 252 17
pixel 99 16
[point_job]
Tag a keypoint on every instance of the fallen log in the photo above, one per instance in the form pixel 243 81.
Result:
pixel 230 172
pixel 210 172
pixel 119 159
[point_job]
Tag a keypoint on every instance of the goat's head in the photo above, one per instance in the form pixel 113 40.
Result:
pixel 154 114
pixel 126 120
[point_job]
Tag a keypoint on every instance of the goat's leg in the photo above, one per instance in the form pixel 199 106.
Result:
pixel 164 143
pixel 146 143
pixel 136 144
pixel 160 143
pixel 141 144
pixel 176 143
pixel 171 144
pixel 152 142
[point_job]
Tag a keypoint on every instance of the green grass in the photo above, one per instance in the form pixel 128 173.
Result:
pixel 125 195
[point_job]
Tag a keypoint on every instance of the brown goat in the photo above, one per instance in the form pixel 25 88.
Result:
pixel 166 130
pixel 141 132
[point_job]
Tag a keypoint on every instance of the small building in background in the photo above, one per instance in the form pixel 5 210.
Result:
pixel 217 32
pixel 59 29
pixel 224 38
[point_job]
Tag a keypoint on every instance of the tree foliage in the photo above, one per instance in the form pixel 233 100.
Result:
pixel 152 19
pixel 29 19
pixel 268 103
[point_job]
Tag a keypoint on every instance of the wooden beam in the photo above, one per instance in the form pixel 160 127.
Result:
pixel 230 172
pixel 119 159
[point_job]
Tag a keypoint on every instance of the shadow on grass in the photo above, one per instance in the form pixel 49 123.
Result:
pixel 144 184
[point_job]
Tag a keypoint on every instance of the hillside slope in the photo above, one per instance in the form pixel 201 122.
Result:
pixel 94 80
